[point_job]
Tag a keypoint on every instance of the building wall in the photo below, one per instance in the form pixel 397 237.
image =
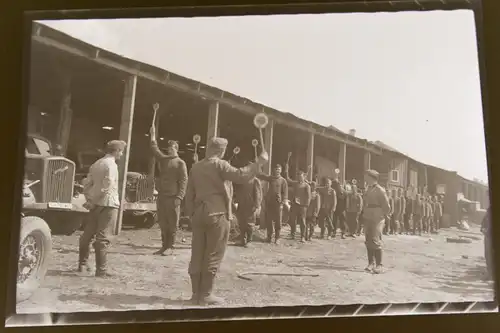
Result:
pixel 397 172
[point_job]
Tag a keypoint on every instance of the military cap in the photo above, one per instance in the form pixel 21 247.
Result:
pixel 217 143
pixel 115 145
pixel 372 173
pixel 278 166
pixel 172 143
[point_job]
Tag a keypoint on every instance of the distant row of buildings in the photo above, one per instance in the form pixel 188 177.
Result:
pixel 81 95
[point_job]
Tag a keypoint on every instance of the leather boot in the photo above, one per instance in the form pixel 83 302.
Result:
pixel 101 263
pixel 195 288
pixel 371 260
pixel 206 296
pixel 84 253
pixel 378 262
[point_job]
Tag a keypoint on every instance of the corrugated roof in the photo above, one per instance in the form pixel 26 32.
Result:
pixel 67 43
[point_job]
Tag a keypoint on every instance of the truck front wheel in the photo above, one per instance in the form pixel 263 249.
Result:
pixel 35 245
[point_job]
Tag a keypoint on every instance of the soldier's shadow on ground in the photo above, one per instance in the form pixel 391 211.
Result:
pixel 470 283
pixel 118 301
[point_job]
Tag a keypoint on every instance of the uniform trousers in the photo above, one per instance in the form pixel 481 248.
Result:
pixel 352 222
pixel 326 221
pixel 339 221
pixel 208 246
pixel 274 215
pixel 246 219
pixel 168 220
pixel 298 215
pixel 98 226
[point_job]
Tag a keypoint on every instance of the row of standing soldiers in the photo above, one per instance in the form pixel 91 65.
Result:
pixel 328 205
pixel 413 216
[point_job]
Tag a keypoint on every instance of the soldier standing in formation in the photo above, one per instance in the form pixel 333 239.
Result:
pixel 388 217
pixel 249 198
pixel 339 219
pixel 171 190
pixel 101 193
pixel 398 211
pixel 376 208
pixel 353 210
pixel 438 214
pixel 408 213
pixel 209 204
pixel 312 212
pixel 276 196
pixel 327 210
pixel 300 203
pixel 418 210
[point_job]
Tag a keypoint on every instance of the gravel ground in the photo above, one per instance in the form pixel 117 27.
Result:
pixel 418 269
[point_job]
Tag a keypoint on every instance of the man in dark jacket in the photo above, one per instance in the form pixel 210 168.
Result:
pixel 249 198
pixel 328 206
pixel 353 210
pixel 300 203
pixel 277 195
pixel 312 211
pixel 408 214
pixel 339 218
pixel 171 190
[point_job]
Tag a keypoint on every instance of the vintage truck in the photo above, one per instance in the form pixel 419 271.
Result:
pixel 48 206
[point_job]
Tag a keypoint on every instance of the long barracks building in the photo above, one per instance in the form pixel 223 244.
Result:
pixel 81 96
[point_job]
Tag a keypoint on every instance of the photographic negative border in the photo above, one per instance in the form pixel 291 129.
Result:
pixel 265 312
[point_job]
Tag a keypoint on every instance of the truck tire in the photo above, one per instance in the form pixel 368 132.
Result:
pixel 149 221
pixel 35 246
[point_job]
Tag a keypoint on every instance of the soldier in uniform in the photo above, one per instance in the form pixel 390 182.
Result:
pixel 339 220
pixel 398 212
pixel 209 204
pixel 328 206
pixel 408 212
pixel 438 214
pixel 353 210
pixel 312 211
pixel 418 210
pixel 376 208
pixel 300 204
pixel 171 190
pixel 277 195
pixel 249 198
pixel 388 217
pixel 100 189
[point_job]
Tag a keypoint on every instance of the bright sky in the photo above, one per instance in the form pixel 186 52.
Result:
pixel 410 80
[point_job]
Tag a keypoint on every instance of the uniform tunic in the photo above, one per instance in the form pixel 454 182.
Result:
pixel 209 202
pixel 249 198
pixel 276 196
pixel 376 208
pixel 171 187
pixel 101 192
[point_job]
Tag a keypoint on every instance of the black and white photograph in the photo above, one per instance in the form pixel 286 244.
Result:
pixel 254 161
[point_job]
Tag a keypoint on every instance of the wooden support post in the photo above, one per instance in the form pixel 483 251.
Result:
pixel 268 142
pixel 310 156
pixel 341 163
pixel 367 161
pixel 66 113
pixel 126 124
pixel 213 120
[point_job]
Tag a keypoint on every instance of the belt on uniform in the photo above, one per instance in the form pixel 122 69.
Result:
pixel 372 206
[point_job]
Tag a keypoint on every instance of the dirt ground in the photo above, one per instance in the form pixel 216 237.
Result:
pixel 418 269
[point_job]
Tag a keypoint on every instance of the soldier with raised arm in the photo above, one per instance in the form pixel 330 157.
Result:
pixel 171 190
pixel 376 208
pixel 209 204
pixel 276 196
pixel 300 203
